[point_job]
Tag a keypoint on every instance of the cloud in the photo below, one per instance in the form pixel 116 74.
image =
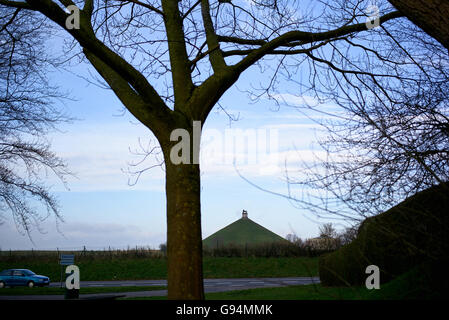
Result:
pixel 293 126
pixel 109 233
pixel 306 100
pixel 100 156
pixel 75 235
pixel 273 167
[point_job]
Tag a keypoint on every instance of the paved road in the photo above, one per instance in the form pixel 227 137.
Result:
pixel 210 285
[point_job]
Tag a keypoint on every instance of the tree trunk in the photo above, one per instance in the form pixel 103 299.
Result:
pixel 430 15
pixel 184 240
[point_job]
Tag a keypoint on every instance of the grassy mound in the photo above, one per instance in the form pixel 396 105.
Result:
pixel 414 232
pixel 240 233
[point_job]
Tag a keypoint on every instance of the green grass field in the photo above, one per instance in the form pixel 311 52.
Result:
pixel 156 268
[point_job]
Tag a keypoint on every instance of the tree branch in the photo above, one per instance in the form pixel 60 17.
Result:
pixel 10 20
pixel 215 57
pixel 191 9
pixel 276 52
pixel 145 5
pixel 15 4
pixel 88 7
pixel 179 60
pixel 87 39
pixel 154 119
pixel 304 37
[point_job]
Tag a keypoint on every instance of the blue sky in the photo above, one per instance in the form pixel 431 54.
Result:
pixel 100 208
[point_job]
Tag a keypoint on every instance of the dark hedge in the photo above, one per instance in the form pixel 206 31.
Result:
pixel 414 232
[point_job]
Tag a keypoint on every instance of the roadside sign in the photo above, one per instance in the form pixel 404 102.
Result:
pixel 66 259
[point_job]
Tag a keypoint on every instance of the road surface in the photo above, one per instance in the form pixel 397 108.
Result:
pixel 210 285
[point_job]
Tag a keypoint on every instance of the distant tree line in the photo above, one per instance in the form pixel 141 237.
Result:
pixel 82 255
pixel 329 240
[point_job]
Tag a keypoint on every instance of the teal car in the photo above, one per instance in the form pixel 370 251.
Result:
pixel 22 277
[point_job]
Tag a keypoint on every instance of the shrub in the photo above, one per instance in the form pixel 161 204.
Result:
pixel 274 249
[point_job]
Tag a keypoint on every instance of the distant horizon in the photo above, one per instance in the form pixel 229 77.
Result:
pixel 129 246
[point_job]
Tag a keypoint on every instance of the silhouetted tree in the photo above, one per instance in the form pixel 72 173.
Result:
pixel 163 248
pixel 348 235
pixel 328 231
pixel 27 113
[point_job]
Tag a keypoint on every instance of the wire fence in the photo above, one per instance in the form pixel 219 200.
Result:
pixel 83 252
pixel 83 247
pixel 283 249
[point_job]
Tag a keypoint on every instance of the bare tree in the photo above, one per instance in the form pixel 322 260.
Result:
pixel 169 62
pixel 328 231
pixel 27 113
pixel 292 237
pixel 389 141
pixel 163 248
pixel 348 234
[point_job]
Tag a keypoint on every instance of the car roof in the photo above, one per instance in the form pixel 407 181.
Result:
pixel 16 270
pixel 23 270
